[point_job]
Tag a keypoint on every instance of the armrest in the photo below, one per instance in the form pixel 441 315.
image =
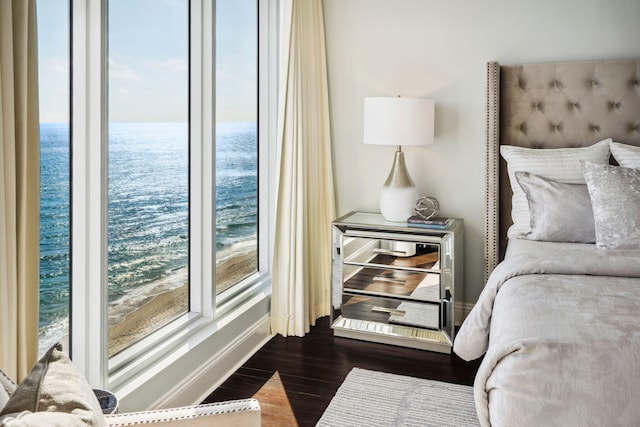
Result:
pixel 244 412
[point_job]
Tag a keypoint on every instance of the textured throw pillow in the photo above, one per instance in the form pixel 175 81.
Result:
pixel 7 388
pixel 627 156
pixel 615 198
pixel 559 164
pixel 4 397
pixel 559 212
pixel 53 394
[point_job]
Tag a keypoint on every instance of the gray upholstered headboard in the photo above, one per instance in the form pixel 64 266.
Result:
pixel 552 105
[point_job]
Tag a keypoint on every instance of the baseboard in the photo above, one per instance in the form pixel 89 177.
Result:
pixel 197 360
pixel 462 310
pixel 197 384
pixel 200 383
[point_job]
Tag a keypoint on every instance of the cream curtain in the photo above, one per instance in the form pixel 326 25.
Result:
pixel 19 187
pixel 305 203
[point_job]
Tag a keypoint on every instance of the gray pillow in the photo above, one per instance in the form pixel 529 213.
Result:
pixel 559 164
pixel 627 156
pixel 559 212
pixel 615 198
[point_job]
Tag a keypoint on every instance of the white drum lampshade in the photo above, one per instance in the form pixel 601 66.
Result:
pixel 398 121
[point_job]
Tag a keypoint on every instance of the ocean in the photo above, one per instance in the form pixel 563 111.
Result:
pixel 148 212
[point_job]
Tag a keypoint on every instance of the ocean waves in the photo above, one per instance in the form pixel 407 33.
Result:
pixel 148 212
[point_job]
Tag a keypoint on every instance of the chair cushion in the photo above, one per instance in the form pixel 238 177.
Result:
pixel 53 394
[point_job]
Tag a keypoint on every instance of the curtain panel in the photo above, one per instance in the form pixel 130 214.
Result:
pixel 19 187
pixel 305 201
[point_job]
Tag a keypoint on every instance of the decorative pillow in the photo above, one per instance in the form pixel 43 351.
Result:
pixel 615 198
pixel 7 387
pixel 4 397
pixel 559 212
pixel 627 156
pixel 558 164
pixel 53 394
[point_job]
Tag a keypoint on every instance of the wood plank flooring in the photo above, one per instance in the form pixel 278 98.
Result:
pixel 295 378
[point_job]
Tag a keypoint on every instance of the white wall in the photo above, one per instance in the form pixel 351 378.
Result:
pixel 439 49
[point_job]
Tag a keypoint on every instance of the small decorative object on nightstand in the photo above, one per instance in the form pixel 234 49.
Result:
pixel 427 207
pixel 393 283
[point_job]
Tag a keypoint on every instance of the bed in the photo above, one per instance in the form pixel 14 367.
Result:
pixel 558 322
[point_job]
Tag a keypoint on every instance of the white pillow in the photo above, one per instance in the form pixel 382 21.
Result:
pixel 627 156
pixel 558 164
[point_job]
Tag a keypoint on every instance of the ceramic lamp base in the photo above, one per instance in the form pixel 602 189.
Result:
pixel 397 204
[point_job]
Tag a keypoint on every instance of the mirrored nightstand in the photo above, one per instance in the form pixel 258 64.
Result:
pixel 395 284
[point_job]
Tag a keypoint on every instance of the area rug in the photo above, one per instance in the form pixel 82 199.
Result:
pixel 371 398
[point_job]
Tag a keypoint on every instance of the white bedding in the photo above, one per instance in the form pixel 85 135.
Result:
pixel 560 325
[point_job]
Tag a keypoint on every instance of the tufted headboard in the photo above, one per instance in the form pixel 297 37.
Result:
pixel 552 105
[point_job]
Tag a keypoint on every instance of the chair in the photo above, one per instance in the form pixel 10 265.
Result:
pixel 244 412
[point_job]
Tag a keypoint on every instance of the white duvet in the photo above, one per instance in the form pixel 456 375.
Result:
pixel 559 327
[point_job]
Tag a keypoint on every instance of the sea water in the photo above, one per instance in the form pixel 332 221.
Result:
pixel 147 214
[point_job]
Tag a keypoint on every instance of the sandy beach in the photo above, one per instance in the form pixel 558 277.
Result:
pixel 166 305
pixel 231 270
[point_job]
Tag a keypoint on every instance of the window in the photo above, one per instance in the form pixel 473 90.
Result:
pixel 166 187
pixel 236 104
pixel 53 48
pixel 148 185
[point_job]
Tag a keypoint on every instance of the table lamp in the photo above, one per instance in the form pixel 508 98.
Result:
pixel 398 121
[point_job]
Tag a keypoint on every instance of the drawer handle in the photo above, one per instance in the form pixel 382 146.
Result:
pixel 388 280
pixel 392 311
pixel 389 252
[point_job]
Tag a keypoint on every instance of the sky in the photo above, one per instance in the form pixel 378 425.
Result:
pixel 148 60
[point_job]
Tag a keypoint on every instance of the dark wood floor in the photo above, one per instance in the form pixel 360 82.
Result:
pixel 295 378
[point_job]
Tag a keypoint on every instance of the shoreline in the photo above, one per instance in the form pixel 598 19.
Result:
pixel 161 308
pixel 156 304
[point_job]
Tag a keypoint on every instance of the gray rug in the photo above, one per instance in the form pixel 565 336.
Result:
pixel 370 398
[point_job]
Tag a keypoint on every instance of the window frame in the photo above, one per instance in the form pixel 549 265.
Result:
pixel 210 317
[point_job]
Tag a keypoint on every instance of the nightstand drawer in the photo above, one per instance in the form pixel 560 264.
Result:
pixel 391 311
pixel 391 253
pixel 420 286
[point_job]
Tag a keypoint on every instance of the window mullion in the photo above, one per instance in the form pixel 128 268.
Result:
pixel 202 154
pixel 268 62
pixel 89 326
